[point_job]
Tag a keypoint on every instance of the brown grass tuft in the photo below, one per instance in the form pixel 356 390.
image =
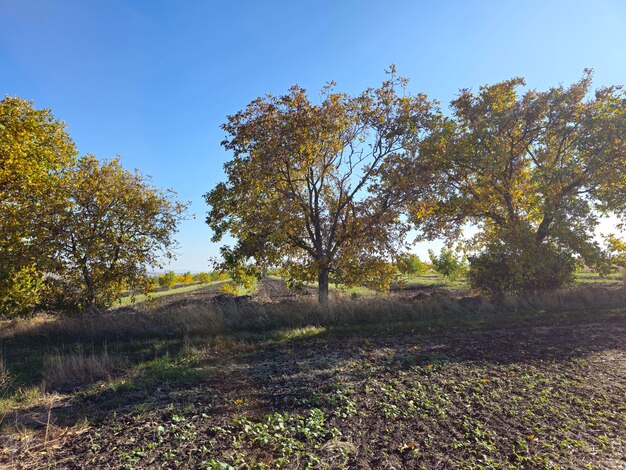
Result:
pixel 64 370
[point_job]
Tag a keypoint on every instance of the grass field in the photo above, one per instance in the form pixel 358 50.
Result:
pixel 431 279
pixel 440 389
pixel 128 300
pixel 595 278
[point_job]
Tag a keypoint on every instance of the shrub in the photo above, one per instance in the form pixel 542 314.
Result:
pixel 185 278
pixel 411 265
pixel 167 280
pixel 151 284
pixel 377 274
pixel 20 292
pixel 229 288
pixel 219 276
pixel 202 278
pixel 520 270
pixel 66 291
pixel 448 264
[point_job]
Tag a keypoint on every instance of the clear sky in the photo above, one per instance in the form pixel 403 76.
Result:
pixel 152 81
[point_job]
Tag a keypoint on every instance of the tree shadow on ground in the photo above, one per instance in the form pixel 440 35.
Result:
pixel 295 374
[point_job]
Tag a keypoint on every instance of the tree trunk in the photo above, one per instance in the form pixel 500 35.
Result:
pixel 322 281
pixel 544 227
pixel 90 297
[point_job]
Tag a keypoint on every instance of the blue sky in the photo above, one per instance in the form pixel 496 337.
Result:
pixel 152 81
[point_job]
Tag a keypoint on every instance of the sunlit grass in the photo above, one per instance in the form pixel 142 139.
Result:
pixel 430 279
pixel 129 300
pixel 595 278
pixel 433 279
pixel 298 333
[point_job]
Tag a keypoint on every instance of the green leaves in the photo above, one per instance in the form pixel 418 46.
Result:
pixel 448 263
pixel 526 170
pixel 92 227
pixel 114 224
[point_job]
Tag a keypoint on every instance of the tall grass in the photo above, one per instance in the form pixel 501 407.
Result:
pixel 5 376
pixel 65 369
pixel 232 314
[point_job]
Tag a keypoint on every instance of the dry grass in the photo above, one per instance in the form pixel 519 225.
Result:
pixel 236 315
pixel 41 437
pixel 5 376
pixel 63 370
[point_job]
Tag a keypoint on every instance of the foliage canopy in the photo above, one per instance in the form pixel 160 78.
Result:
pixel 529 170
pixel 410 264
pixel 35 150
pixel 113 225
pixel 305 190
pixel 72 230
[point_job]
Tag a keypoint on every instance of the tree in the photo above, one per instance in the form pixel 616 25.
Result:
pixel 447 263
pixel 185 278
pixel 411 265
pixel 35 150
pixel 167 280
pixel 114 224
pixel 533 172
pixel 304 190
pixel 616 259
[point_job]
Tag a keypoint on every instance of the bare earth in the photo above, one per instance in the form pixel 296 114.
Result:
pixel 549 393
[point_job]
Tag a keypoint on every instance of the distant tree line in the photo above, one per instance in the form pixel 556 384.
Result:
pixel 170 279
pixel 328 191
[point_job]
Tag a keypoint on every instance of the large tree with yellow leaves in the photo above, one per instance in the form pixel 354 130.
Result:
pixel 35 151
pixel 113 224
pixel 76 229
pixel 304 189
pixel 534 172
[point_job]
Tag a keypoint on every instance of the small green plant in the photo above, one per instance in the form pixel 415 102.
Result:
pixel 286 436
pixel 213 464
pixel 449 264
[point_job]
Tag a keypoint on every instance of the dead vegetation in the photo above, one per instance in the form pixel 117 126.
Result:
pixel 62 370
pixel 525 396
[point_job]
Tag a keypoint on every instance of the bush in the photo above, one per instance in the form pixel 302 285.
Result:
pixel 66 292
pixel 202 278
pixel 20 292
pixel 151 284
pixel 185 278
pixel 229 288
pixel 411 265
pixel 519 270
pixel 219 276
pixel 448 264
pixel 167 280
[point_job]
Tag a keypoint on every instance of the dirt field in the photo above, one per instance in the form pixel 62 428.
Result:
pixel 509 391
